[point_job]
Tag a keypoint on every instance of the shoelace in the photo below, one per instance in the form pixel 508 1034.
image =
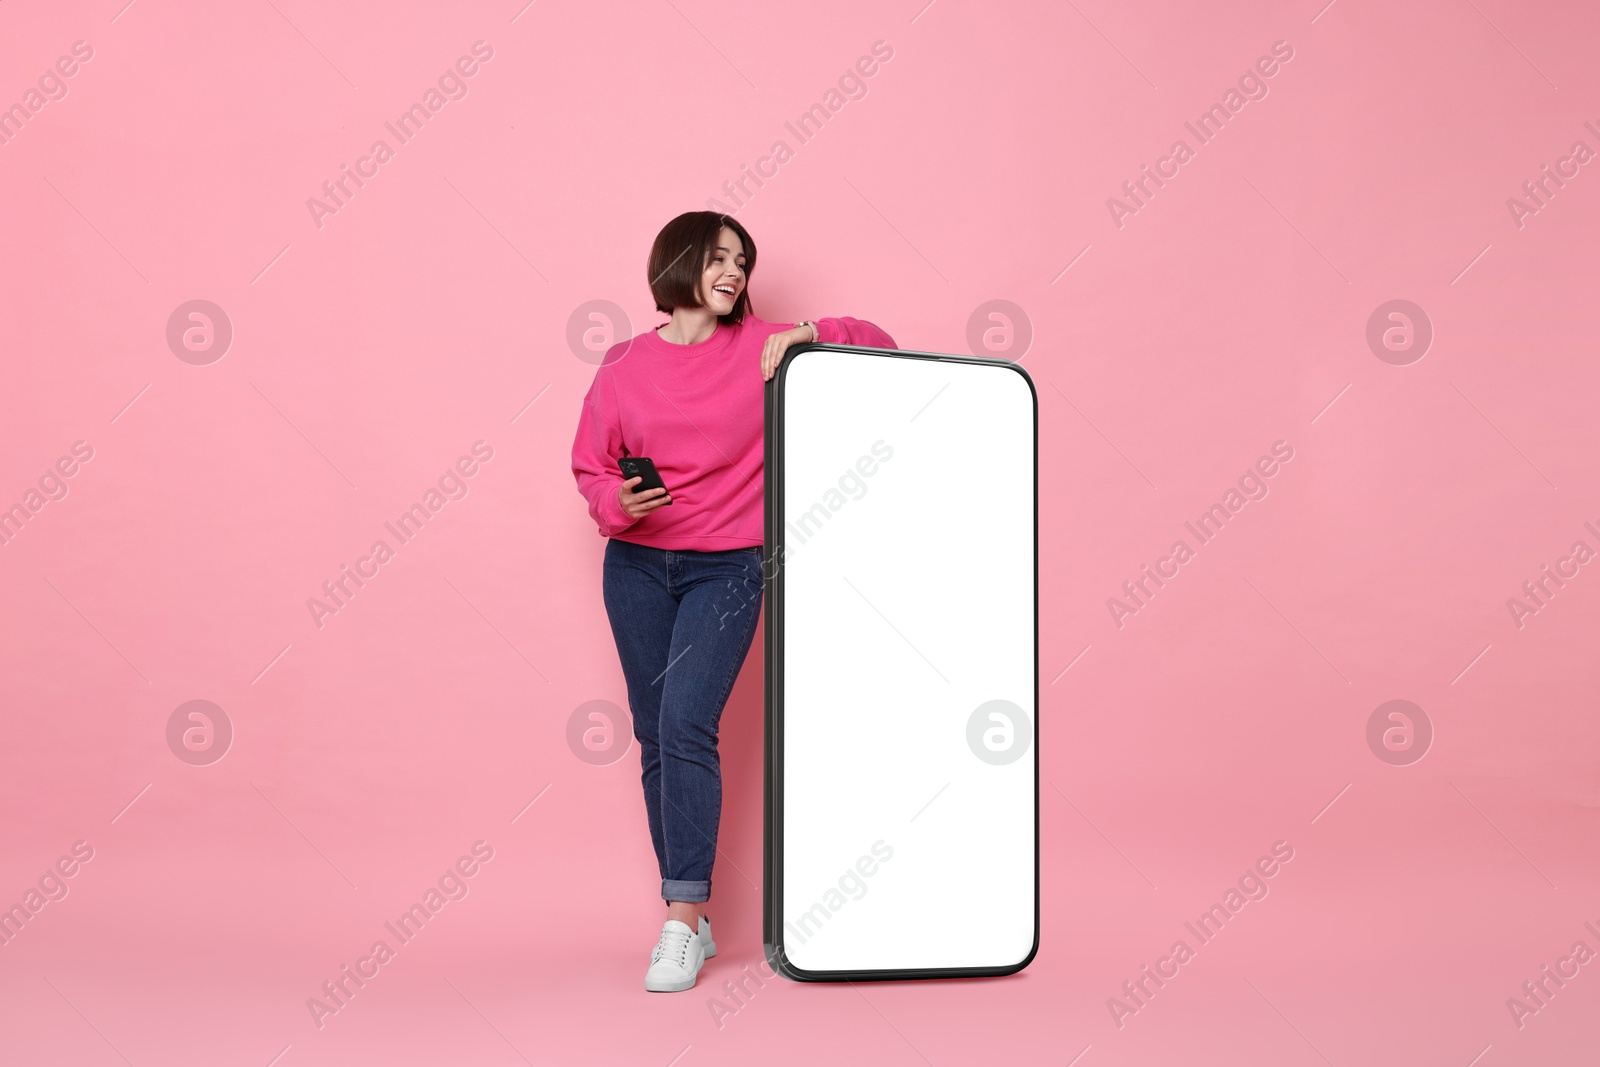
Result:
pixel 675 943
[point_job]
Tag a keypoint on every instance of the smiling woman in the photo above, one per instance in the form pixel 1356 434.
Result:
pixel 690 396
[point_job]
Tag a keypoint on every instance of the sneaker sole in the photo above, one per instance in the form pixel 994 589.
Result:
pixel 676 986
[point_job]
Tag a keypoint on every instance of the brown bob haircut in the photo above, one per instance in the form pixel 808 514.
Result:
pixel 679 257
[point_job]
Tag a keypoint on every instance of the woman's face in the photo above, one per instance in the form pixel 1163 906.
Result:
pixel 724 278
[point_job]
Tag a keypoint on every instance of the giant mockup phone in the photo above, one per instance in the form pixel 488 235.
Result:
pixel 902 693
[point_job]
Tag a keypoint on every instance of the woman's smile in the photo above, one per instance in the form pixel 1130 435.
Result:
pixel 724 275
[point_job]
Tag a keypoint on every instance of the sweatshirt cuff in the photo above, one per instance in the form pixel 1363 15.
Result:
pixel 611 509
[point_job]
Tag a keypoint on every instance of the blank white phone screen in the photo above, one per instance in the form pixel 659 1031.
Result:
pixel 909 663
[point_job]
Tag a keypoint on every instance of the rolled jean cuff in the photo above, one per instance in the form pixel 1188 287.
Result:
pixel 688 892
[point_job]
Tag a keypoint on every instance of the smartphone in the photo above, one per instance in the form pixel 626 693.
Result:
pixel 637 466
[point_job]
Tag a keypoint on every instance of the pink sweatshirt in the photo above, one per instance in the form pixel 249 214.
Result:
pixel 698 412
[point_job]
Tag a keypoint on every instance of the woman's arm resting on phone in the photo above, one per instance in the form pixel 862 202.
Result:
pixel 841 331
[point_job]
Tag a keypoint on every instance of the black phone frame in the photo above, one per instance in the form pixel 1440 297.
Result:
pixel 772 569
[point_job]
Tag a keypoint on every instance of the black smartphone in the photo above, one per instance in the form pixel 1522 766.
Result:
pixel 642 466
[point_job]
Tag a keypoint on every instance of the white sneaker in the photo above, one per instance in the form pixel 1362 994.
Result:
pixel 705 937
pixel 676 960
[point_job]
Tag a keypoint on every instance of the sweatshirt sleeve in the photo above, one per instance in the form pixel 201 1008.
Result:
pixel 848 331
pixel 595 450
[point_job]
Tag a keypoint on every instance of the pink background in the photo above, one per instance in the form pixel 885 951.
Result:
pixel 431 311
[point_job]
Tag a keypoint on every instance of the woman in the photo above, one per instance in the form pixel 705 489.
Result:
pixel 683 583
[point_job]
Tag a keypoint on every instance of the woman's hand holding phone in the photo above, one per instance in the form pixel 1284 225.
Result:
pixel 638 505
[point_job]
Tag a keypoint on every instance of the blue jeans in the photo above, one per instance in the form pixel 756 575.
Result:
pixel 683 622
